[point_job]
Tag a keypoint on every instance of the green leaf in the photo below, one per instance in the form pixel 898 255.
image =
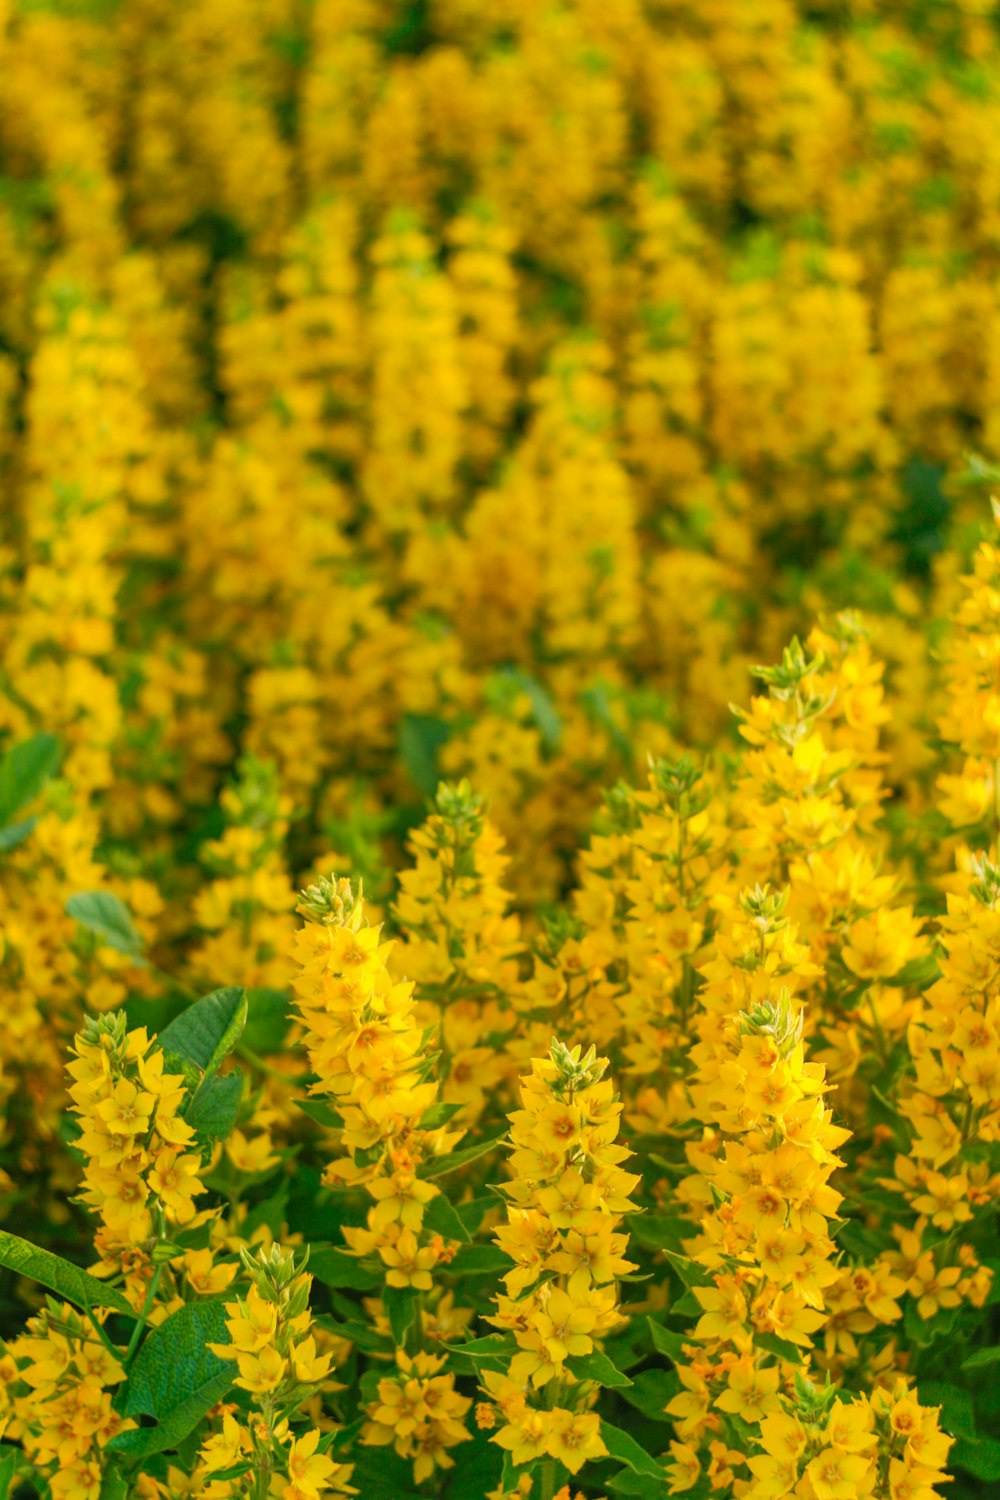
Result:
pixel 627 1451
pixel 216 1105
pixel 639 1486
pixel 688 1270
pixel 687 1306
pixel 8 1468
pixel 320 1111
pixel 400 1303
pixel 15 834
pixel 114 1486
pixel 658 1232
pixel 439 1166
pixel 175 1378
pixel 783 1348
pixel 439 1114
pixel 492 1346
pixel 207 1031
pixel 597 1366
pixel 24 771
pixel 982 1358
pixel 665 1341
pixel 268 1020
pixel 336 1268
pixel 60 1276
pixel 480 1260
pixel 651 1391
pixel 420 739
pixel 957 1416
pixel 980 1457
pixel 441 1218
pixel 919 973
pixel 108 918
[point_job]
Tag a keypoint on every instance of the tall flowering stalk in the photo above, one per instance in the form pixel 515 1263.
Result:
pixel 372 1064
pixel 566 1199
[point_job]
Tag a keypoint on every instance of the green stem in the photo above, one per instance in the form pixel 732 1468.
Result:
pixel 109 1346
pixel 137 1332
pixel 547 1477
pixel 883 1044
pixel 259 1062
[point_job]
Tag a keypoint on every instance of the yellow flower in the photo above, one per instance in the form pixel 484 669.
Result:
pixel 752 1392
pixel 837 1475
pixel 409 1264
pixel 308 1471
pixel 573 1438
pixel 260 1373
pixel 223 1448
pixel 127 1111
pixel 309 1367
pixel 880 945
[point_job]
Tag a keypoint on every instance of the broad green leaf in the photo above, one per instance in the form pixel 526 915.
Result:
pixel 651 1391
pixel 400 1303
pixel 957 1416
pixel 441 1218
pixel 175 1378
pixel 214 1108
pixel 207 1031
pixel 979 1456
pixel 665 1341
pixel 24 771
pixel 439 1166
pixel 60 1276
pixel 335 1267
pixel 108 918
pixel 597 1366
pixel 627 1451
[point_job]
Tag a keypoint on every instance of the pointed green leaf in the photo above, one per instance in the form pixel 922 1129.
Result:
pixel 627 1451
pixel 60 1276
pixel 400 1303
pixel 207 1031
pixel 108 918
pixel 320 1111
pixel 24 771
pixel 175 1378
pixel 597 1366
pixel 665 1341
pixel 441 1218
pixel 334 1267
pixel 439 1166
pixel 216 1105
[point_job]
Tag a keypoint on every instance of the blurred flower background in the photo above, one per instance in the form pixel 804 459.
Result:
pixel 405 391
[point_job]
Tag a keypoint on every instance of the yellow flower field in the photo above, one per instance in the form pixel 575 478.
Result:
pixel 499 749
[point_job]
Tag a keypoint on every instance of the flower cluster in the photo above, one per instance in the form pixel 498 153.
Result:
pixel 280 1368
pixel 143 1169
pixel 565 1203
